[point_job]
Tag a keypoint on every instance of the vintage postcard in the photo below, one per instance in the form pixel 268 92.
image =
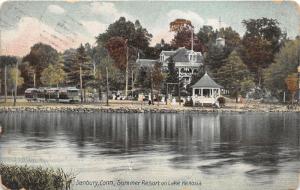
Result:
pixel 149 95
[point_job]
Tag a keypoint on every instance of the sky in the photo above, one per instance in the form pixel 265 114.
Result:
pixel 66 24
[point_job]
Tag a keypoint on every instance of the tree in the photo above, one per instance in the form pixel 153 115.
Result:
pixel 232 39
pixel 78 68
pixel 13 73
pixel 235 76
pixel 180 24
pixel 292 84
pixel 154 52
pixel 84 69
pixel 184 35
pixel 53 74
pixel 136 35
pixel 172 72
pixel 5 63
pixel 207 36
pixel 215 58
pixel 260 42
pixel 183 38
pixel 286 62
pixel 157 76
pixel 28 73
pixel 40 56
pixel 71 67
pixel 117 49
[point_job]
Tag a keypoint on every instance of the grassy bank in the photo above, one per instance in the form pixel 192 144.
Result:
pixel 35 178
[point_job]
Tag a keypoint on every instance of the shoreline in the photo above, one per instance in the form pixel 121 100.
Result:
pixel 130 108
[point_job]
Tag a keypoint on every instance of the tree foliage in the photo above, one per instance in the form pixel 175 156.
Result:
pixel 207 35
pixel 53 74
pixel 40 56
pixel 172 76
pixel 13 73
pixel 136 35
pixel 180 24
pixel 291 82
pixel 260 42
pixel 117 48
pixel 183 35
pixel 183 38
pixel 235 76
pixel 286 62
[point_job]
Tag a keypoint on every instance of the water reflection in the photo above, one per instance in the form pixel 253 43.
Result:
pixel 249 145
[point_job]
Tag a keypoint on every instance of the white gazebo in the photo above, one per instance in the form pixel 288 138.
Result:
pixel 206 91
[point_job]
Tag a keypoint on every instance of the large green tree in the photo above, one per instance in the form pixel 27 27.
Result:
pixel 136 35
pixel 78 68
pixel 286 62
pixel 54 74
pixel 235 76
pixel 207 35
pixel 40 56
pixel 261 41
pixel 215 58
pixel 154 52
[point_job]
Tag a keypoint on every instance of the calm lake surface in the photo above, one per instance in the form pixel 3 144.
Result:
pixel 250 151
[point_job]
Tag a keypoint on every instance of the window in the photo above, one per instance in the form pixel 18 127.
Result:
pixel 162 58
pixel 193 57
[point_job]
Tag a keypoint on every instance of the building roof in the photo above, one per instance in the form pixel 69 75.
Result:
pixel 182 55
pixel 168 53
pixel 206 82
pixel 146 62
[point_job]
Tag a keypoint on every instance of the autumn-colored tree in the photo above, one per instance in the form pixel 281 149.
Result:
pixel 180 24
pixel 116 47
pixel 184 35
pixel 292 84
pixel 286 62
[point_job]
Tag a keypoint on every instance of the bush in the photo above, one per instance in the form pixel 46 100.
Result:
pixel 221 101
pixel 35 178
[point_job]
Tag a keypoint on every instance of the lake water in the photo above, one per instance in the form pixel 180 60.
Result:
pixel 250 151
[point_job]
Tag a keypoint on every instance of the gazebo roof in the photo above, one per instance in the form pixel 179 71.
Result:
pixel 206 82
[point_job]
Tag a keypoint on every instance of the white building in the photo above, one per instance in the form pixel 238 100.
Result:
pixel 187 62
pixel 206 91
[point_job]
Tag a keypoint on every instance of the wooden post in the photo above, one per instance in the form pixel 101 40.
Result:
pixel 179 93
pixel 5 83
pixel 107 86
pixel 34 78
pixel 16 84
pixel 126 71
pixel 167 95
pixel 80 73
pixel 152 101
pixel 132 82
